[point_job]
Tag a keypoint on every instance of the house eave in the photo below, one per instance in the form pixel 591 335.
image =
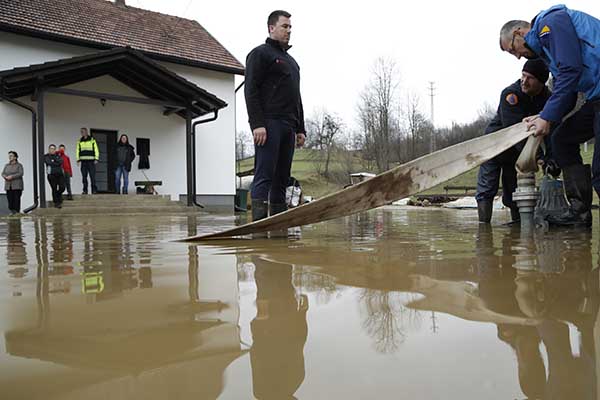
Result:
pixel 103 46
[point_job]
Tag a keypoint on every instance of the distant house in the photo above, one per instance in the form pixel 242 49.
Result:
pixel 116 69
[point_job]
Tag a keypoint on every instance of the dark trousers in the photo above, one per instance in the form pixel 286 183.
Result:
pixel 14 199
pixel 568 136
pixel 88 167
pixel 68 183
pixel 273 162
pixel 57 184
pixel 500 167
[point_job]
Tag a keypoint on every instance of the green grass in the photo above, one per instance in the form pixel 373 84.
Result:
pixel 305 170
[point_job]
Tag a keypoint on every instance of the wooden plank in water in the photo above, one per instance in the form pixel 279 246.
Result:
pixel 400 182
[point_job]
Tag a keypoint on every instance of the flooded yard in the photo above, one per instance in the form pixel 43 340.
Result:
pixel 396 303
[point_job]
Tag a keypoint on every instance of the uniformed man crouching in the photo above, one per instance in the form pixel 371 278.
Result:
pixel 524 98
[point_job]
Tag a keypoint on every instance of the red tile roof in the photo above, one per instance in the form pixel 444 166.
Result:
pixel 104 24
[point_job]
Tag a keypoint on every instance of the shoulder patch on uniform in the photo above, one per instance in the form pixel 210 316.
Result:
pixel 545 31
pixel 512 99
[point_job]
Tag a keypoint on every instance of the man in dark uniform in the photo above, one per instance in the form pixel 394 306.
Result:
pixel 524 98
pixel 567 41
pixel 275 114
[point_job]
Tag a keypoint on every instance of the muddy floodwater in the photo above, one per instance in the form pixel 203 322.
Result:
pixel 396 303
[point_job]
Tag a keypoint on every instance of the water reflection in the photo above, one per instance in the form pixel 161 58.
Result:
pixel 387 319
pixel 540 291
pixel 397 300
pixel 167 342
pixel 279 332
pixel 16 252
pixel 562 291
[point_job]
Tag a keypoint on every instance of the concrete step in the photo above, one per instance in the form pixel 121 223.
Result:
pixel 69 204
pixel 173 209
pixel 115 203
pixel 120 197
pixel 94 200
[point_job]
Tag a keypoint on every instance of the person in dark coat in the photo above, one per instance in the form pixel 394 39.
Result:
pixel 275 115
pixel 56 174
pixel 125 156
pixel 13 182
pixel 523 98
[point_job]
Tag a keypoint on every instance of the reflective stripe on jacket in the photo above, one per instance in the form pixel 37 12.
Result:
pixel 87 150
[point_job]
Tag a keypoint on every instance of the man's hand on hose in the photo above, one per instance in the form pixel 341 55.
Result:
pixel 260 136
pixel 300 139
pixel 540 125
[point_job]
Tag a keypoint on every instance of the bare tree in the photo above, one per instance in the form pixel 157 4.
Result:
pixel 333 128
pixel 375 112
pixel 244 146
pixel 323 130
pixel 315 127
pixel 348 153
pixel 387 320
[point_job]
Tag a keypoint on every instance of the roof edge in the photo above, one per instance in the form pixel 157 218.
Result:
pixel 103 46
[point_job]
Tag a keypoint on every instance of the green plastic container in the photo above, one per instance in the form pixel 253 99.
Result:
pixel 241 199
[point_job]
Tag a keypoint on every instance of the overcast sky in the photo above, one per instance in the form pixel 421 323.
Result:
pixel 453 43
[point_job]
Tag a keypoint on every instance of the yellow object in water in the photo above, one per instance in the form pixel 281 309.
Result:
pixel 92 282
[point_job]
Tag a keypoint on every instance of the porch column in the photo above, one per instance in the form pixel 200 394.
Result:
pixel 41 147
pixel 189 157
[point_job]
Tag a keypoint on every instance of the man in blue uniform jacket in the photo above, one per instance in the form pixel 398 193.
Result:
pixel 569 43
pixel 524 98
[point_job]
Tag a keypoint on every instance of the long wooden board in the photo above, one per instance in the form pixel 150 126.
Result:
pixel 400 182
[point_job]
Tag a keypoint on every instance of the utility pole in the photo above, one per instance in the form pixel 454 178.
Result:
pixel 432 144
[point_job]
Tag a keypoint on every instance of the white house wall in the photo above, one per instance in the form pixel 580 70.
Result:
pixel 215 141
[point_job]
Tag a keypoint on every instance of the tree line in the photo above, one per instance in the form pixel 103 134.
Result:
pixel 391 129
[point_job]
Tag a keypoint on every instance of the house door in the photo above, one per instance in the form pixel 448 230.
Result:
pixel 105 169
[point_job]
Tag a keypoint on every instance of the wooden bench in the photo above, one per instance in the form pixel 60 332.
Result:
pixel 148 186
pixel 465 188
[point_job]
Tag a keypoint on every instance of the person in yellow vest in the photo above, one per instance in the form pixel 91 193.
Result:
pixel 87 158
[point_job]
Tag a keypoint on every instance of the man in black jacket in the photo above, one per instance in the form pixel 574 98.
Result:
pixel 275 114
pixel 56 175
pixel 524 98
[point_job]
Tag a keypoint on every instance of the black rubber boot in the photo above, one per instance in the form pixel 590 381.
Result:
pixel 259 209
pixel 578 189
pixel 514 214
pixel 484 210
pixel 277 208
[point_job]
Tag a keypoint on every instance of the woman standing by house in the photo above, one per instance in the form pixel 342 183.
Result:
pixel 125 156
pixel 13 182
